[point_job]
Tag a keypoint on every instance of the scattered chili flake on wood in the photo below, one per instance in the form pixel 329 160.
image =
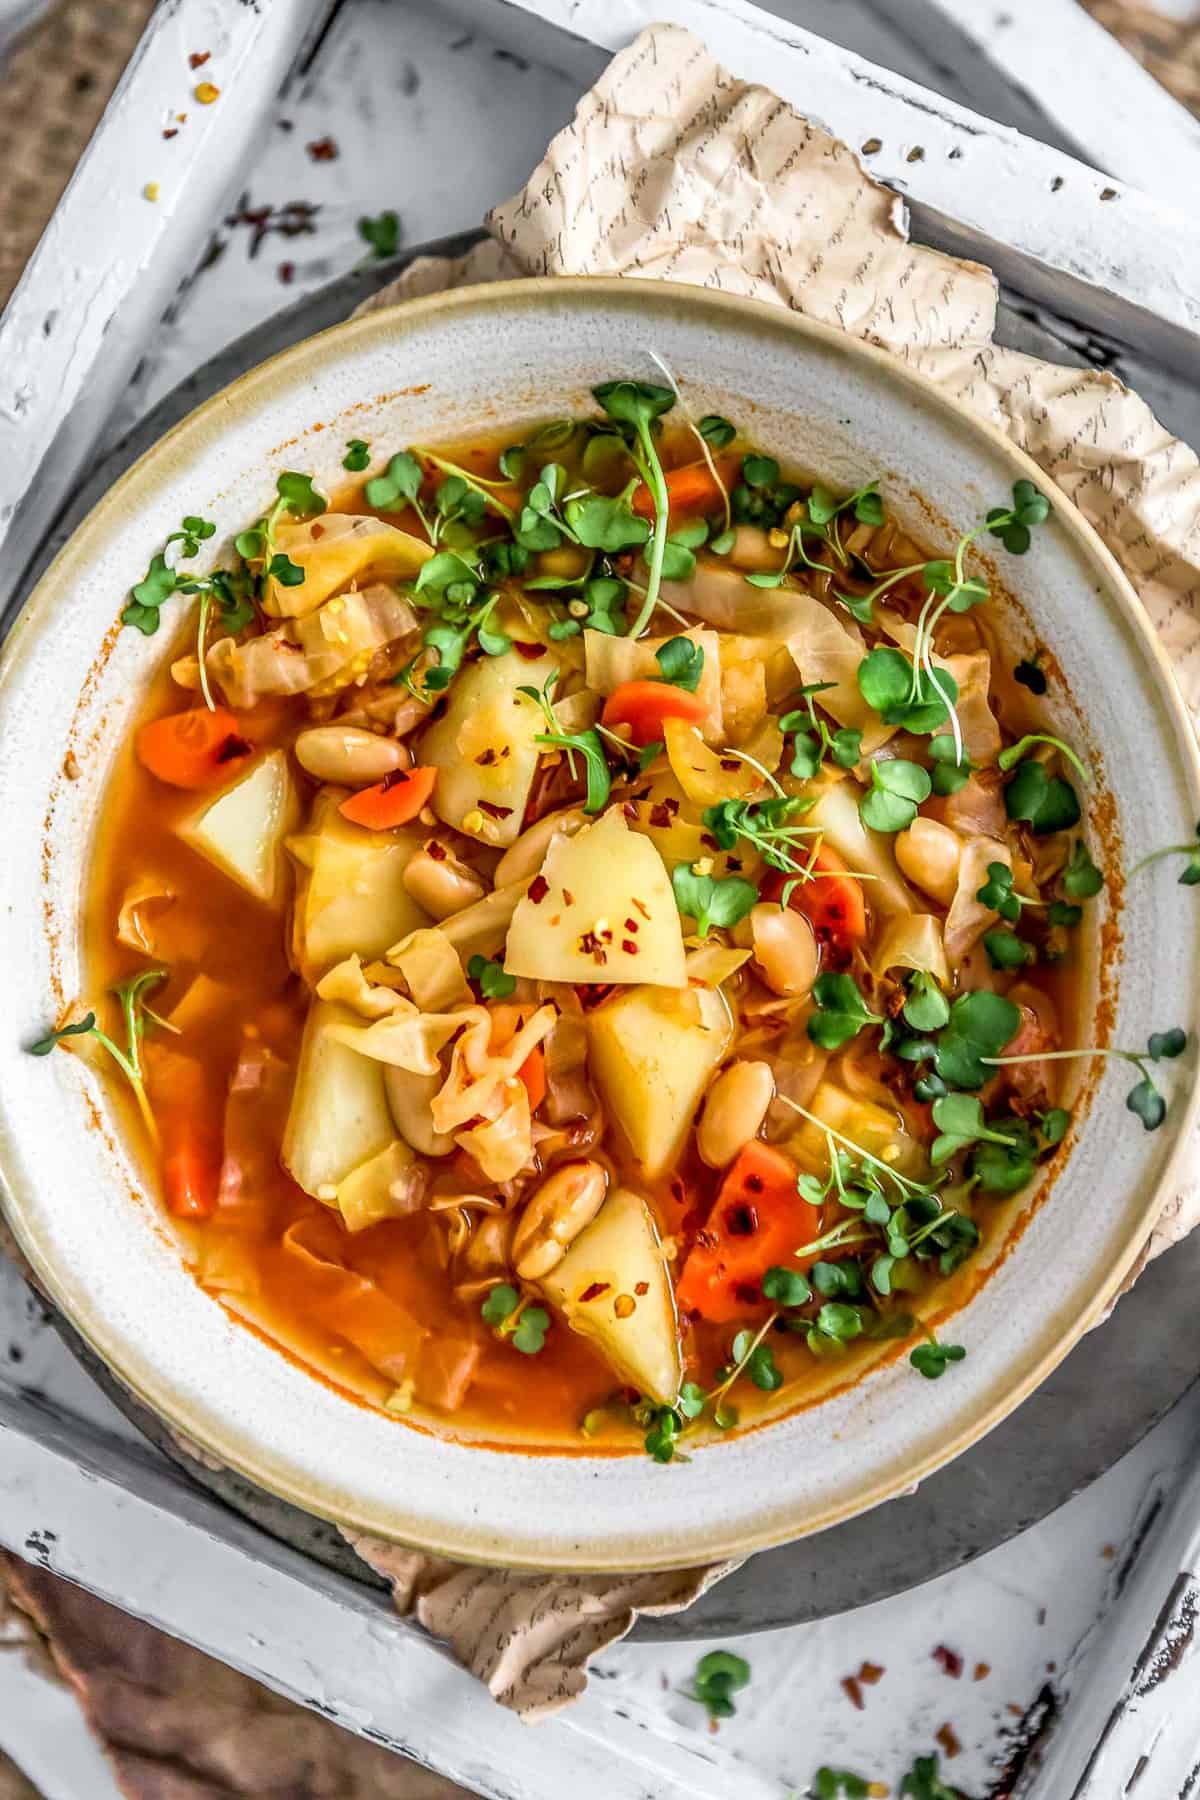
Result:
pixel 948 1738
pixel 198 58
pixel 949 1661
pixel 323 149
pixel 297 218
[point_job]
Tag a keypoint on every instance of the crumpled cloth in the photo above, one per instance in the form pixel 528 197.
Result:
pixel 178 1726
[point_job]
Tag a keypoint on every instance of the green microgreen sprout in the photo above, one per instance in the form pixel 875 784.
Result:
pixel 925 1008
pixel 1016 753
pixel 1144 1098
pixel 712 902
pixel 1191 872
pixel 841 1012
pixel 932 1359
pixel 512 1317
pixel 358 455
pixel 841 1784
pixel 998 893
pixel 1045 802
pixel 712 432
pixel 896 689
pixel 812 739
pixel 1081 879
pixel 766 825
pixel 719 1675
pixel 980 1025
pixel 636 405
pixel 1005 950
pixel 381 234
pixel 131 998
pixel 960 1122
pixel 923 1781
pixel 897 789
pixel 491 978
pixel 681 663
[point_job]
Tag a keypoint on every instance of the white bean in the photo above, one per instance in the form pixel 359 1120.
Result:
pixel 348 755
pixel 735 1108
pixel 441 885
pixel 929 853
pixel 522 860
pixel 785 949
pixel 554 1216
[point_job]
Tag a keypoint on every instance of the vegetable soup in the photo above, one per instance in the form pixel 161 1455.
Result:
pixel 592 927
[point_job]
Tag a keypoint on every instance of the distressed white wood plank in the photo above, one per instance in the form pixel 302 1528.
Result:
pixel 95 288
pixel 1061 231
pixel 43 1730
pixel 1097 96
pixel 150 1544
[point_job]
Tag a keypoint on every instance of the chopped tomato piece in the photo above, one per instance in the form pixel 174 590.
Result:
pixel 832 902
pixel 192 749
pixel 757 1222
pixel 690 489
pixel 395 800
pixel 644 705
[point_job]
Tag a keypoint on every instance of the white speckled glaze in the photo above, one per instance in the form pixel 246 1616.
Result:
pixel 75 1195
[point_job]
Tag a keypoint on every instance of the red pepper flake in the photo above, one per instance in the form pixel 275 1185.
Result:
pixel 642 1288
pixel 323 150
pixel 568 896
pixel 734 864
pixel 590 945
pixel 731 763
pixel 233 747
pixel 595 1290
pixel 947 1737
pixel 287 273
pixel 746 1293
pixel 982 1671
pixel 316 530
pixel 493 811
pixel 629 947
pixel 632 925
pixel 871 1673
pixel 539 887
pixel 393 778
pixel 530 652
pixel 949 1661
pixel 853 1692
pixel 437 851
pixel 709 841
pixel 171 131
pixel 662 812
pixel 198 58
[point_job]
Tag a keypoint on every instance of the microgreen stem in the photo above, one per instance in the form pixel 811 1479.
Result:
pixel 1192 849
pixel 1007 759
pixel 901 1181
pixel 650 469
pixel 719 1393
pixel 202 611
pixel 766 774
pixel 480 485
pixel 696 432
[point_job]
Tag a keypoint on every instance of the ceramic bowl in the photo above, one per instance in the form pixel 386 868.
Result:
pixel 81 1205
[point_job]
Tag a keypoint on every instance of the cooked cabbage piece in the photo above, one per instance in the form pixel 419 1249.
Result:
pixel 653 1052
pixel 613 1288
pixel 333 550
pixel 601 910
pixel 243 829
pixel 350 897
pixel 484 746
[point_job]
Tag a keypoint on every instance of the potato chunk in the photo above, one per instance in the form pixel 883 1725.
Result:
pixel 601 910
pixel 484 746
pixel 652 1054
pixel 339 1118
pixel 243 828
pixel 351 897
pixel 613 1287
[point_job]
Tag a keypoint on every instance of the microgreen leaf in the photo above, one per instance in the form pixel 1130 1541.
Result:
pixel 760 471
pixel 712 902
pixel 841 1011
pixel 81 1028
pixel 282 569
pixel 981 1023
pixel 897 789
pixel 901 695
pixel 601 522
pixel 638 404
pixel 692 1400
pixel 1003 1160
pixel 299 496
pixel 932 1359
pixel 839 1784
pixel 665 1427
pixel 923 1781
pixel 589 746
pixel 948 774
pixel 500 1303
pixel 381 233
pixel 717 431
pixel 1046 802
pixel 490 978
pixel 1166 1043
pixel 681 662
pixel 785 1286
pixel 1005 950
pixel 530 1334
pixel 1053 1125
pixel 1081 878
pixel 400 482
pixel 358 455
pixel 926 1007
pixel 960 1121
pixel 719 1675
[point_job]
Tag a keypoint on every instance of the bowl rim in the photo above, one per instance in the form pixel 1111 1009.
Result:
pixel 718 1541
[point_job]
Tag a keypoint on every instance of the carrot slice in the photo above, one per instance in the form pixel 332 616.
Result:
pixel 533 1073
pixel 644 705
pixel 690 489
pixel 757 1222
pixel 832 902
pixel 395 800
pixel 192 749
